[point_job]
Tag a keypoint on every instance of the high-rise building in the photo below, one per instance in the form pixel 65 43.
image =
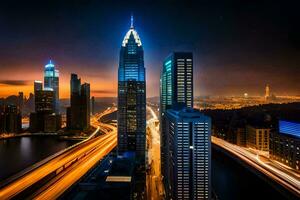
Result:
pixel 44 119
pixel 38 85
pixel 285 144
pixel 132 96
pixel 51 80
pixel 176 90
pixel 73 112
pixel 78 114
pixel 188 154
pixel 44 101
pixel 93 105
pixel 85 106
pixel 131 114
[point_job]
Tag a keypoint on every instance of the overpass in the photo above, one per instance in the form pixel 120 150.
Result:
pixel 53 176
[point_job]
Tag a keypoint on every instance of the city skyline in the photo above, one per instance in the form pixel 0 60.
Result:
pixel 255 52
pixel 223 120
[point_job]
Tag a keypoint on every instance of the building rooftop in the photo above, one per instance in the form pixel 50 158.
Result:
pixel 186 112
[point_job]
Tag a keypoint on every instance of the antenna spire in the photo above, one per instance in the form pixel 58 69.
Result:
pixel 131 21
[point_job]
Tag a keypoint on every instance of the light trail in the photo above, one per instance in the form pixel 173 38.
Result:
pixel 154 179
pixel 85 150
pixel 59 187
pixel 279 175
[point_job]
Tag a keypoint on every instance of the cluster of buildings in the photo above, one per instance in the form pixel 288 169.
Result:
pixel 282 142
pixel 281 138
pixel 11 112
pixel 46 117
pixel 185 148
pixel 185 133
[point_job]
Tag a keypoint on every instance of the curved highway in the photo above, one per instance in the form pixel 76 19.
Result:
pixel 69 166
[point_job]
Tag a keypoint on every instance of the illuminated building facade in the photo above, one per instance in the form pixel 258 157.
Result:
pixel 285 144
pixel 131 114
pixel 132 97
pixel 44 119
pixel 176 89
pixel 51 80
pixel 188 175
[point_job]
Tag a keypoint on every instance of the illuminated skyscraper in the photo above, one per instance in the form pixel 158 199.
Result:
pixel 189 154
pixel 176 90
pixel 51 80
pixel 132 96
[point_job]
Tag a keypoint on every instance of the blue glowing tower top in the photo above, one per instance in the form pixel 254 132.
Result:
pixel 131 66
pixel 51 80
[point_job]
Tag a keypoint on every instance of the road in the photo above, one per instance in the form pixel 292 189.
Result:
pixel 85 156
pixel 154 181
pixel 278 172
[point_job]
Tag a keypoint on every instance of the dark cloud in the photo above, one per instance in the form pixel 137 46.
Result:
pixel 15 82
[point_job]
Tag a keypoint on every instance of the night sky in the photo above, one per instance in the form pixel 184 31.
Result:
pixel 238 47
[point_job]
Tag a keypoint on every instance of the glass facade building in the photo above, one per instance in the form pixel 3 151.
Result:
pixel 177 81
pixel 188 154
pixel 51 80
pixel 132 97
pixel 176 90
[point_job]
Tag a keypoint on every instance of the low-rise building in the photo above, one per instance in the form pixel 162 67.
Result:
pixel 258 137
pixel 285 144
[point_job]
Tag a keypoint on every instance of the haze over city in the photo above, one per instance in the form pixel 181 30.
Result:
pixel 237 47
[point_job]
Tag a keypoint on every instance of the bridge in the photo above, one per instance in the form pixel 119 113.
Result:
pixel 53 176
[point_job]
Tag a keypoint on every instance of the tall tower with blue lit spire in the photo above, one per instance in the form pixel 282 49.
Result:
pixel 51 80
pixel 132 96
